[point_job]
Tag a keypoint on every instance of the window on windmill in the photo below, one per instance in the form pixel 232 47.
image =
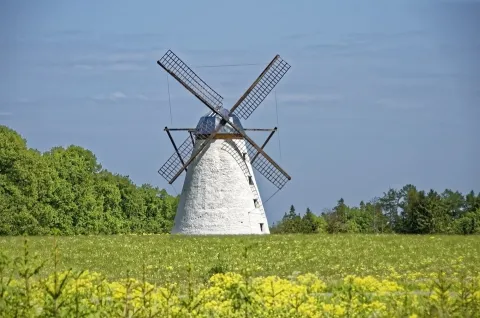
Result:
pixel 244 156
pixel 261 227
pixel 255 202
pixel 250 180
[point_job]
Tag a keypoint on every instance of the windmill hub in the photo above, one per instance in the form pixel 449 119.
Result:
pixel 220 193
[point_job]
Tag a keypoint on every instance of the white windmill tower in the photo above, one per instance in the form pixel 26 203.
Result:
pixel 220 194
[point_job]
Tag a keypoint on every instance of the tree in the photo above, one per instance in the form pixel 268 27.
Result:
pixel 472 202
pixel 469 223
pixel 309 222
pixel 454 203
pixel 66 191
pixel 390 206
pixel 341 210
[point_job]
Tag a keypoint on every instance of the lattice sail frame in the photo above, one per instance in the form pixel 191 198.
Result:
pixel 188 78
pixel 174 163
pixel 177 160
pixel 260 164
pixel 266 169
pixel 244 107
pixel 262 88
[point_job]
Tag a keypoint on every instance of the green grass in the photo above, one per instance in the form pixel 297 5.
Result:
pixel 331 256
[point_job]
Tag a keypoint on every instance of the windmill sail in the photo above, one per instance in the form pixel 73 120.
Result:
pixel 278 177
pixel 260 89
pixel 265 165
pixel 174 163
pixel 191 81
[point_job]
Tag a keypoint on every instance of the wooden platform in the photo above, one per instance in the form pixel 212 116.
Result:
pixel 227 136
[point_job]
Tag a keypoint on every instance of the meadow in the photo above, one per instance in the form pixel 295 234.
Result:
pixel 319 275
pixel 331 256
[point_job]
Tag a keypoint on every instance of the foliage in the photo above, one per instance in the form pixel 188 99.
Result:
pixel 407 210
pixel 65 191
pixel 451 292
pixel 294 223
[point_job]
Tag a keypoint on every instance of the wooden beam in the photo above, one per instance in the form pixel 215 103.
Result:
pixel 246 129
pixel 181 129
pixel 174 146
pixel 265 143
pixel 191 137
pixel 260 129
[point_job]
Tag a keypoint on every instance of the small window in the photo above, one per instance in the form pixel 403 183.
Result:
pixel 244 156
pixel 261 227
pixel 250 180
pixel 255 202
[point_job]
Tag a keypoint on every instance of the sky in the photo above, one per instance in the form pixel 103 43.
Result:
pixel 379 94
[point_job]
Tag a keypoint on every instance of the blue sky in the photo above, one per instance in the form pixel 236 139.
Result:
pixel 380 93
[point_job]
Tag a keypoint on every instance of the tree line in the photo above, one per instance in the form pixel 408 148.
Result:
pixel 66 191
pixel 407 210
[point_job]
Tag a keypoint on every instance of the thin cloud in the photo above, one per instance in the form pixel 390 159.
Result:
pixel 143 97
pixel 116 61
pixel 299 36
pixel 115 96
pixel 6 114
pixel 125 67
pixel 372 44
pixel 307 98
pixel 83 67
pixel 329 46
pixel 23 100
pixel 399 104
pixel 119 96
pixel 116 67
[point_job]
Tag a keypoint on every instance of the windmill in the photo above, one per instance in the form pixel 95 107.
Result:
pixel 220 194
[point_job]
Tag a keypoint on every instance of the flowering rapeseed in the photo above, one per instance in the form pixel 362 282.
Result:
pixel 69 294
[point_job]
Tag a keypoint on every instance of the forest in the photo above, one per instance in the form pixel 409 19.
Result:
pixel 407 210
pixel 65 191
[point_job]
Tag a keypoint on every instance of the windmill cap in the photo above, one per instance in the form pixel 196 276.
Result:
pixel 208 123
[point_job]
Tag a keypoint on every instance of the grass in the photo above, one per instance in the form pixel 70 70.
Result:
pixel 332 257
pixel 243 276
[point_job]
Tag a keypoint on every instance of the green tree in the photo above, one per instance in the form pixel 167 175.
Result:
pixel 454 203
pixel 469 223
pixel 472 202
pixel 66 191
pixel 390 205
pixel 309 222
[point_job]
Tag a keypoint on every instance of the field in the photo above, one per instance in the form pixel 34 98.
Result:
pixel 426 268
pixel 331 256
